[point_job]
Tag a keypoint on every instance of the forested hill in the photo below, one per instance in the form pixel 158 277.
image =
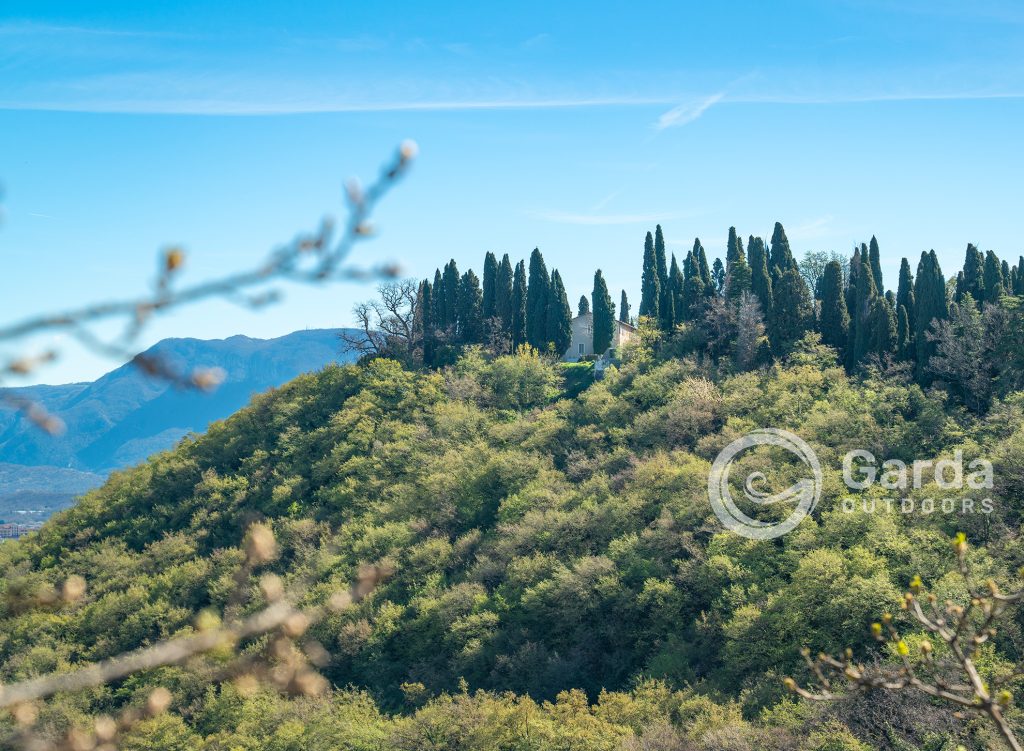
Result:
pixel 126 415
pixel 535 547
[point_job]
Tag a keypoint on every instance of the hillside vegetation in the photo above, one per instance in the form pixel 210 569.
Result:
pixel 553 576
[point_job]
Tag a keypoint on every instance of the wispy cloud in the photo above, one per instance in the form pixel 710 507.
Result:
pixel 812 229
pixel 313 105
pixel 687 112
pixel 596 220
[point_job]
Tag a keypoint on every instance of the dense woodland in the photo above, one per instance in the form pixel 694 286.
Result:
pixel 555 578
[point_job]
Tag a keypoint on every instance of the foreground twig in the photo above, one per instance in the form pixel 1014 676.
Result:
pixel 953 678
pixel 311 259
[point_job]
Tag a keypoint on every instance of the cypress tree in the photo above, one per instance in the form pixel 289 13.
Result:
pixel 883 328
pixel 993 278
pixel 503 294
pixel 863 298
pixel 793 311
pixel 733 250
pixel 693 288
pixel 737 275
pixel 677 286
pixel 974 270
pixel 1018 288
pixel 604 315
pixel 834 324
pixel 584 306
pixel 623 307
pixel 718 277
pixel 666 315
pixel 931 305
pixel 559 323
pixel 760 279
pixel 650 289
pixel 470 307
pixel 781 257
pixel 856 264
pixel 905 291
pixel 451 282
pixel 440 318
pixel 537 294
pixel 1007 283
pixel 702 265
pixel 490 305
pixel 875 259
pixel 960 288
pixel 518 308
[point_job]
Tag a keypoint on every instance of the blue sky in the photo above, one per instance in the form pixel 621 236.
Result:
pixel 229 127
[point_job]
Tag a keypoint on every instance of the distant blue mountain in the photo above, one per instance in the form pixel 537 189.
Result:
pixel 125 416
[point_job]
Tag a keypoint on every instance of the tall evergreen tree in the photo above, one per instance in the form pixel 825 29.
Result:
pixel 1007 279
pixel 733 249
pixel 702 267
pixel 974 272
pixel 623 307
pixel 1018 288
pixel 860 326
pixel 905 290
pixel 604 315
pixel 677 287
pixel 992 278
pixel 650 290
pixel 883 328
pixel 584 306
pixel 490 304
pixel 537 294
pixel 834 323
pixel 760 279
pixel 559 323
pixel 718 277
pixel 470 307
pixel 451 281
pixel 781 257
pixel 930 305
pixel 856 264
pixel 737 274
pixel 793 311
pixel 517 319
pixel 666 314
pixel 959 288
pixel 875 259
pixel 694 290
pixel 503 294
pixel 438 313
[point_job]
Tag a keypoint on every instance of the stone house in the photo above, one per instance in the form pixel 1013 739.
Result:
pixel 582 344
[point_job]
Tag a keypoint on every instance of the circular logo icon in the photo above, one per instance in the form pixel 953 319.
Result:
pixel 804 494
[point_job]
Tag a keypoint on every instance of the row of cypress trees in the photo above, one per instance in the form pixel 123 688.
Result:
pixel 849 304
pixel 509 308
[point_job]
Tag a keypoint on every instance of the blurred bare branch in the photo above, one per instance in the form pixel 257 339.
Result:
pixel 311 259
pixel 951 675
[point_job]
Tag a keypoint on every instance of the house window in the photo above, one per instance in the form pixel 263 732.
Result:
pixel 582 347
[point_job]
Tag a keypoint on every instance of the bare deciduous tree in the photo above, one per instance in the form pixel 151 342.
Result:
pixel 388 325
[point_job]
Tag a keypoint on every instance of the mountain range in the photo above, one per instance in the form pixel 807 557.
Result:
pixel 125 416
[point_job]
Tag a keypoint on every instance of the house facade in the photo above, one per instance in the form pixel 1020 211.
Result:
pixel 582 344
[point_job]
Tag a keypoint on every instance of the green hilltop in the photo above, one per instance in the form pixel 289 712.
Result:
pixel 553 574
